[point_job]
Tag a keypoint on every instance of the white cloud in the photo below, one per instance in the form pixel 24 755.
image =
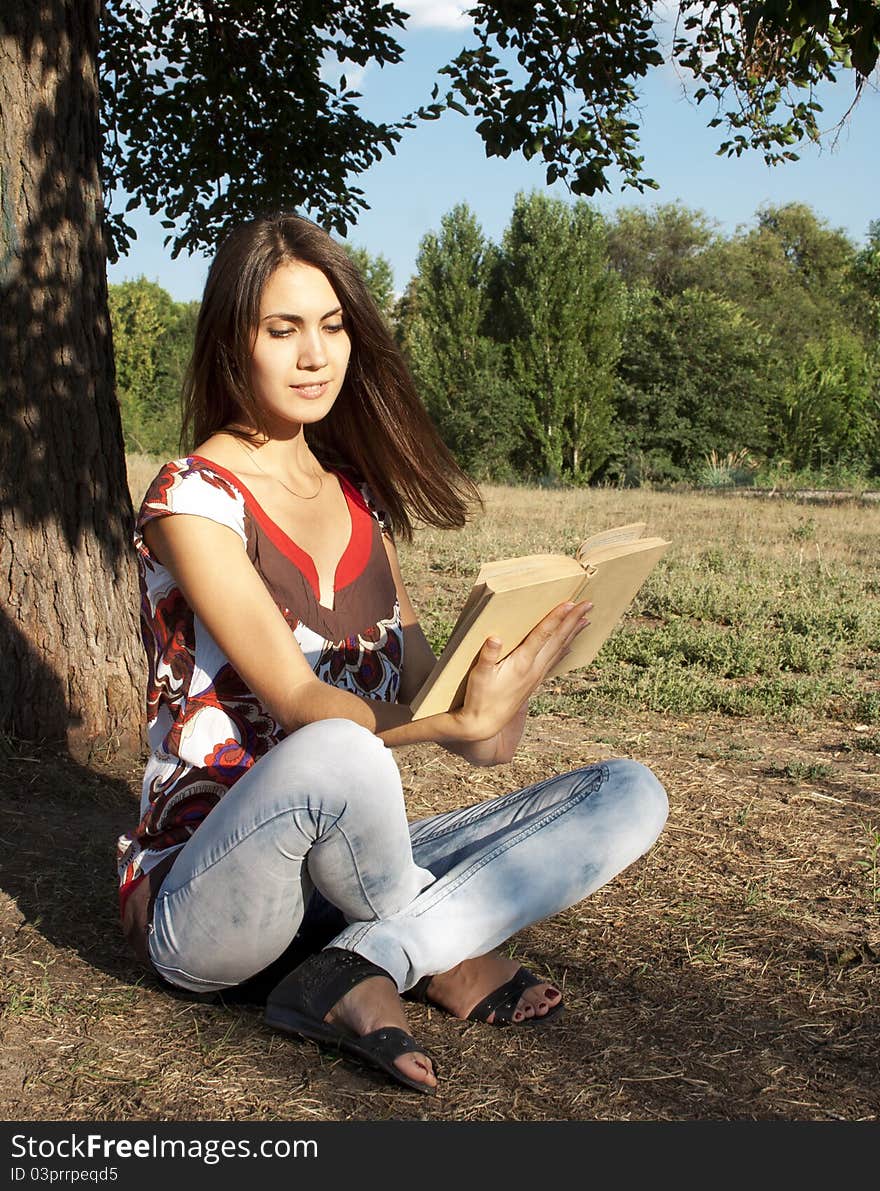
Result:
pixel 332 71
pixel 429 14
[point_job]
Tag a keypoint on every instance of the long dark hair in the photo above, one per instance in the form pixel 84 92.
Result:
pixel 378 427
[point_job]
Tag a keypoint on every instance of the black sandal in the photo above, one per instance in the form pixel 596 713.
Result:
pixel 300 1002
pixel 502 1002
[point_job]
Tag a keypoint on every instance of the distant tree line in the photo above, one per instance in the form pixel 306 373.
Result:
pixel 582 348
pixel 152 342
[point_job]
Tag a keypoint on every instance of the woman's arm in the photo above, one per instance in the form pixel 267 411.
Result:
pixel 210 565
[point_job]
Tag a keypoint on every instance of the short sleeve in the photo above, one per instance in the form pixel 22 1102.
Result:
pixel 191 486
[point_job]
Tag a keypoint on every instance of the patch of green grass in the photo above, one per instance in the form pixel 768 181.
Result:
pixel 35 1000
pixel 437 617
pixel 741 816
pixel 755 610
pixel 866 708
pixel 669 687
pixel 802 771
pixel 804 531
pixel 743 640
pixel 707 949
pixel 732 752
pixel 756 893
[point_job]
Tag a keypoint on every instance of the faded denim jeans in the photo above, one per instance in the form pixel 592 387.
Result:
pixel 322 817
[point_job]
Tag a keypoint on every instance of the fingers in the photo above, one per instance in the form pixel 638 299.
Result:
pixel 491 652
pixel 567 627
pixel 545 643
pixel 579 627
pixel 559 645
pixel 554 628
pixel 575 614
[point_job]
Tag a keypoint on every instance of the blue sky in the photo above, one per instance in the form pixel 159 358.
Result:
pixel 441 163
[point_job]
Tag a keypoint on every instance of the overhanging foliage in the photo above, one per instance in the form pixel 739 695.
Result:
pixel 214 110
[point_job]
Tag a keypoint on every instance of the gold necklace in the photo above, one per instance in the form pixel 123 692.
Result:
pixel 253 458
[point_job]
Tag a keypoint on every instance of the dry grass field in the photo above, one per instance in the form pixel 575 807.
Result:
pixel 732 974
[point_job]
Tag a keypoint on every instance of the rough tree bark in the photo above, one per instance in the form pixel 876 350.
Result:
pixel 72 667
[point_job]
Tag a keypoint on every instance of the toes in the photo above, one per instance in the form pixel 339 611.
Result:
pixel 417 1066
pixel 538 1001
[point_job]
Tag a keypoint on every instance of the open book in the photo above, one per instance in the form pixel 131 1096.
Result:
pixel 510 597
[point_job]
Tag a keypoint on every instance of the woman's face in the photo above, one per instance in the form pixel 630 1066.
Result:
pixel 301 350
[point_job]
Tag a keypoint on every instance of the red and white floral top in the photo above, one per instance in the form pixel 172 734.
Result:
pixel 205 727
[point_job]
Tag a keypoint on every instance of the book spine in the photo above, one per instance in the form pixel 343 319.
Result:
pixel 582 590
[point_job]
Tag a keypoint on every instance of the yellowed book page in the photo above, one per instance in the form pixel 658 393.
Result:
pixel 557 566
pixel 619 536
pixel 616 551
pixel 509 615
pixel 612 587
pixel 522 571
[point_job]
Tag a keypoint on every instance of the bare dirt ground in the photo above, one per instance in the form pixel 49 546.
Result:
pixel 733 973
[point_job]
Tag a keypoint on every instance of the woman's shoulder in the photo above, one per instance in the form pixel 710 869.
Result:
pixel 194 484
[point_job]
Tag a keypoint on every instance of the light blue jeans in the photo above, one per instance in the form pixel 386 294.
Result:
pixel 324 810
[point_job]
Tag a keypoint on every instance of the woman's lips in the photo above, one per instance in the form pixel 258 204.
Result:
pixel 312 390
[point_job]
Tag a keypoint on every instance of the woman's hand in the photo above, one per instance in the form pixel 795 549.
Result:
pixel 499 749
pixel 498 689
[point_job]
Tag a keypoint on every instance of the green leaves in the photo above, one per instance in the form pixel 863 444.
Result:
pixel 558 80
pixel 751 58
pixel 761 341
pixel 826 409
pixel 214 111
pixel 152 341
pixel 459 367
pixel 558 308
pixel 379 276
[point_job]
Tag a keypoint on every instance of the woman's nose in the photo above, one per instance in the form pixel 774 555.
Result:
pixel 312 351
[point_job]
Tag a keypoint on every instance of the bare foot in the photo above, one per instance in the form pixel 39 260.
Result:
pixel 369 1006
pixel 463 987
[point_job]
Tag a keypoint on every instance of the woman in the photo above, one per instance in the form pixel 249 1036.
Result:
pixel 283 650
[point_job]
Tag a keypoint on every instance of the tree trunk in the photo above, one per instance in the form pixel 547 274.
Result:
pixel 72 661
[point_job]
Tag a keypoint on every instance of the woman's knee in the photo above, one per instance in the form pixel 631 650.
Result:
pixel 338 746
pixel 343 760
pixel 642 793
pixel 336 736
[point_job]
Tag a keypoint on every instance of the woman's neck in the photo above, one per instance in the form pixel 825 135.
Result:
pixel 287 459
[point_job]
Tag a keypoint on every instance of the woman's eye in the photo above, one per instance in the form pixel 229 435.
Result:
pixel 286 332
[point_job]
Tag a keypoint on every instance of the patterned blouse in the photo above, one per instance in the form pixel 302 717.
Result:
pixel 205 727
